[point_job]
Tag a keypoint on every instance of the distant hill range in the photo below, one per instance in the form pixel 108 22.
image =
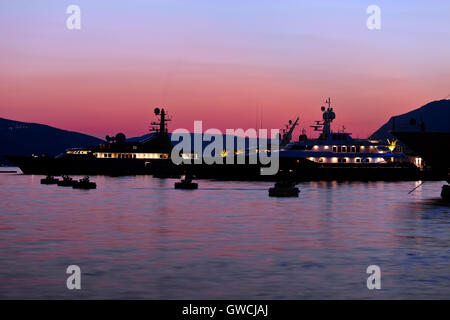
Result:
pixel 434 116
pixel 22 138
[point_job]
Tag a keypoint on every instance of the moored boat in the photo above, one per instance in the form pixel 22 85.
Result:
pixel 49 180
pixel 336 155
pixel 84 183
pixel 284 189
pixel 186 183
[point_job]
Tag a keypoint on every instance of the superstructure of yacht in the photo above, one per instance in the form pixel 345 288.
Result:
pixel 339 147
pixel 337 155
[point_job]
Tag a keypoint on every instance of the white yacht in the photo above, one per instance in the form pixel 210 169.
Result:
pixel 339 148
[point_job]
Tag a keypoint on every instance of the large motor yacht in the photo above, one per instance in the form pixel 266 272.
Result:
pixel 115 157
pixel 338 152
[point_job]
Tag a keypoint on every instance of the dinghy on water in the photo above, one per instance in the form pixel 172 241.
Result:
pixel 186 183
pixel 84 184
pixel 49 180
pixel 284 189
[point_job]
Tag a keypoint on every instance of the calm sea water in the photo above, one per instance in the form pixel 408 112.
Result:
pixel 137 237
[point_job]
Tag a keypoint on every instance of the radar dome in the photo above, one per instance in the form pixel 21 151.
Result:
pixel 120 138
pixel 157 111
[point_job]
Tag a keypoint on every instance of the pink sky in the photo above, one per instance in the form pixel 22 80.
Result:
pixel 220 63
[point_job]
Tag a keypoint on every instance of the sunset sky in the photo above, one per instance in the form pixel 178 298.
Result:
pixel 220 61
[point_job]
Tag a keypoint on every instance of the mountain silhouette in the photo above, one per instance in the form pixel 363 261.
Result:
pixel 434 116
pixel 22 138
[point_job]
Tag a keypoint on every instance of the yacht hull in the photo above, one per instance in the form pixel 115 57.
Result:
pixel 298 169
pixel 92 166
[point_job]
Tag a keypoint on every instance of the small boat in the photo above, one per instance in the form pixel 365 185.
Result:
pixel 84 184
pixel 66 182
pixel 186 183
pixel 445 193
pixel 49 180
pixel 284 189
